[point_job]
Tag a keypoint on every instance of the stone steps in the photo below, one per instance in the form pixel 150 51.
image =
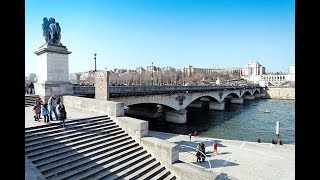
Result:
pixel 48 126
pixel 56 127
pixel 69 129
pixel 143 170
pixel 90 148
pixel 87 162
pixel 74 139
pixel 68 133
pixel 152 172
pixel 84 142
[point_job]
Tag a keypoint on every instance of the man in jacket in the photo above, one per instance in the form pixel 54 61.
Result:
pixel 52 102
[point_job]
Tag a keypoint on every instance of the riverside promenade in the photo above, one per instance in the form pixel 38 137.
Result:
pixel 236 160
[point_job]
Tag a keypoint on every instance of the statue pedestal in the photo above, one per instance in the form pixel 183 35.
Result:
pixel 53 71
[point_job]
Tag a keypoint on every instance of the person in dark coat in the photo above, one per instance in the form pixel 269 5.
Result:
pixel 31 86
pixel 62 114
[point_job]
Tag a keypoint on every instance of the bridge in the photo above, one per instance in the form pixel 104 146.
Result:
pixel 175 99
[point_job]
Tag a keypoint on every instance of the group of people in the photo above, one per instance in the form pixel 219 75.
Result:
pixel 201 152
pixel 273 141
pixel 29 88
pixel 46 109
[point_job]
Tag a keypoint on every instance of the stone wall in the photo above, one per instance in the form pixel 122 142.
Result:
pixel 110 108
pixel 280 92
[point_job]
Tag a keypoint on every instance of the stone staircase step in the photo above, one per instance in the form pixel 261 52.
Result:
pixel 32 129
pixel 67 133
pixel 80 148
pixel 90 141
pixel 143 170
pixel 161 175
pixel 56 127
pixel 69 127
pixel 152 173
pixel 170 177
pixel 101 166
pixel 86 163
pixel 44 143
pixel 111 173
pixel 82 153
pixel 74 139
pixel 131 169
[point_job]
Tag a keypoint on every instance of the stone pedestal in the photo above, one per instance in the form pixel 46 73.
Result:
pixel 217 106
pixel 249 97
pixel 237 100
pixel 53 71
pixel 179 117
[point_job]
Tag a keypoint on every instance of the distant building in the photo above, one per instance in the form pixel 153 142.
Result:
pixel 253 69
pixel 190 70
pixel 31 78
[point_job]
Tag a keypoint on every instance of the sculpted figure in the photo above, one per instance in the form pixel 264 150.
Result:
pixel 58 34
pixel 45 29
pixel 51 31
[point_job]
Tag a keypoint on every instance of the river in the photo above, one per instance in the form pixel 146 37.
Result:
pixel 245 122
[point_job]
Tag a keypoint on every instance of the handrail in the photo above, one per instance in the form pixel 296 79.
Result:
pixel 199 151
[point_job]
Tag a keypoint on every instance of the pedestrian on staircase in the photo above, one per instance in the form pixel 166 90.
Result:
pixel 31 86
pixel 37 111
pixel 45 113
pixel 62 114
pixel 52 102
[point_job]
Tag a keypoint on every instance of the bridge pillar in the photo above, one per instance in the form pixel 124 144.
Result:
pixel 217 105
pixel 237 100
pixel 249 97
pixel 179 117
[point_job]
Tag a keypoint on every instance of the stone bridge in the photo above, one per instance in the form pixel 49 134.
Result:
pixel 177 98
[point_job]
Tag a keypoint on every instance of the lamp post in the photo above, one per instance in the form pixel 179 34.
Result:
pixel 152 74
pixel 184 76
pixel 95 62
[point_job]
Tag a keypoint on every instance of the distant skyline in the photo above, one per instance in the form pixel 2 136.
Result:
pixel 127 34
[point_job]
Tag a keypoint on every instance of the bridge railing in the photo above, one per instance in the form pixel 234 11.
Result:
pixel 145 89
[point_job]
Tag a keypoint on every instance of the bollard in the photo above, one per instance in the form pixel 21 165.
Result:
pixel 277 128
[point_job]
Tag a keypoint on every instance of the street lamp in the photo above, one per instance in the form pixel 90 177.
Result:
pixel 95 62
pixel 152 74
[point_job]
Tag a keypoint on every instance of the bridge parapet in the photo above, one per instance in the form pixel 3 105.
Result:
pixel 153 89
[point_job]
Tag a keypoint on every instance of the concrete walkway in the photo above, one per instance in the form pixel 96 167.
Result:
pixel 236 160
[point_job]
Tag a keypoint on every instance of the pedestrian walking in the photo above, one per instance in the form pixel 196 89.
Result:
pixel 190 134
pixel 203 150
pixel 198 153
pixel 195 134
pixel 215 147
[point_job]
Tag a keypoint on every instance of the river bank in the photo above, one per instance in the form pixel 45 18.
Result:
pixel 237 159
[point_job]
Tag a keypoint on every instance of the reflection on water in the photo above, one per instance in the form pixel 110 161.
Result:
pixel 245 122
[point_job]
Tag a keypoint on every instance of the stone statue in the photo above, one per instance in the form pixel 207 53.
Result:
pixel 51 31
pixel 45 29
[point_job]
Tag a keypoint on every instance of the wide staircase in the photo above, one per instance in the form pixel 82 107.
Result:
pixel 30 99
pixel 90 148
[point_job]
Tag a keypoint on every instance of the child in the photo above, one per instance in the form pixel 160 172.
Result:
pixel 37 111
pixel 62 114
pixel 45 112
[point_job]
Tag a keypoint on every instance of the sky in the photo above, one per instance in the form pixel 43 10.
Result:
pixel 127 34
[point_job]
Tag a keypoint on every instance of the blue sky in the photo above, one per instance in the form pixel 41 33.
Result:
pixel 133 33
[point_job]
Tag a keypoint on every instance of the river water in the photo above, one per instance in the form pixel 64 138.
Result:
pixel 245 122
